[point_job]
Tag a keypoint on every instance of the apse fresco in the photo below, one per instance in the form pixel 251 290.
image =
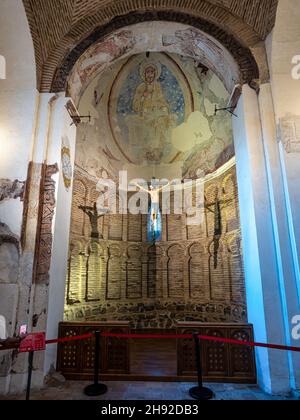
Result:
pixel 155 111
pixel 153 114
pixel 150 105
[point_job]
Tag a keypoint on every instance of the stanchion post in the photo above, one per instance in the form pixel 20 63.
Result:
pixel 200 392
pixel 30 369
pixel 96 389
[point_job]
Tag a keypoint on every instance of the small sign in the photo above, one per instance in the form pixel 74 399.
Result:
pixel 23 330
pixel 33 342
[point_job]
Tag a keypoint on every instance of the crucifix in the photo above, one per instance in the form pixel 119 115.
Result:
pixel 216 208
pixel 154 215
pixel 94 216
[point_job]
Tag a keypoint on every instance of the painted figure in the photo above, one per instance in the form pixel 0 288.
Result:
pixel 153 122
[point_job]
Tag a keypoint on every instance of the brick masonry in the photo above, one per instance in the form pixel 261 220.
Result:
pixel 194 274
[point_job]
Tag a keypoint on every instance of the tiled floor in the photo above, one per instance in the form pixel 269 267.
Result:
pixel 149 391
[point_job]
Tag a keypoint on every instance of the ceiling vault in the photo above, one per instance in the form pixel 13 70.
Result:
pixel 63 29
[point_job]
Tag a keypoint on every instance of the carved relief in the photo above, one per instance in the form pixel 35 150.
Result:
pixel 290 133
pixel 44 236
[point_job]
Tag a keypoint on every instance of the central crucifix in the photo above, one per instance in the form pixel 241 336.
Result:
pixel 154 216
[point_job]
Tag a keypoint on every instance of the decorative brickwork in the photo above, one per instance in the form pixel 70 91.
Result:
pixel 44 236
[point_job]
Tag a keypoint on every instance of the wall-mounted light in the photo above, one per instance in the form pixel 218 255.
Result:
pixel 74 114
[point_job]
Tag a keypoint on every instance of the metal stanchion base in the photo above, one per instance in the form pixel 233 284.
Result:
pixel 201 394
pixel 95 390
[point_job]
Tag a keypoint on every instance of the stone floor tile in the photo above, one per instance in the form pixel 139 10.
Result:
pixel 149 391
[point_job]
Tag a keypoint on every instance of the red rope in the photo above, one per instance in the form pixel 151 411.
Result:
pixel 69 339
pixel 176 337
pixel 206 338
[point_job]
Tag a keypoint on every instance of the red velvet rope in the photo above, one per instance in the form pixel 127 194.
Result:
pixel 175 337
pixel 70 339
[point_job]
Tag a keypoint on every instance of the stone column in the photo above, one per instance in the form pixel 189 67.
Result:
pixel 264 300
pixel 62 137
pixel 279 196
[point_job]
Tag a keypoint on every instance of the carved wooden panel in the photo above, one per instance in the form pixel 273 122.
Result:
pixel 76 359
pixel 220 361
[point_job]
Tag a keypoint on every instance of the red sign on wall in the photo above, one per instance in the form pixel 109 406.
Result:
pixel 33 342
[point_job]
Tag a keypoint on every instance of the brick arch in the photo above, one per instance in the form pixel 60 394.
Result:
pixel 81 23
pixel 248 67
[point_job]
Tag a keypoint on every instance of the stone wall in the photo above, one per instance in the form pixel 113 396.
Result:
pixel 194 274
pixel 9 288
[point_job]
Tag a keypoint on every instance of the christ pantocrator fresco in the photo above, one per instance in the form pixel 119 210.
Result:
pixel 153 122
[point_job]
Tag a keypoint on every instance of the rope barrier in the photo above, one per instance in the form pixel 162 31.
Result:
pixel 198 393
pixel 173 337
pixel 70 339
pixel 176 337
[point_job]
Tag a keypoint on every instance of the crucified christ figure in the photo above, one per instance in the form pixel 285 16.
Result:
pixel 94 216
pixel 218 205
pixel 154 216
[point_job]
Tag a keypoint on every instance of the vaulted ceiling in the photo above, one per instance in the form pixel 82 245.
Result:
pixel 62 27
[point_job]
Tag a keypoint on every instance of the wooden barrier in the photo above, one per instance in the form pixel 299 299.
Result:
pixel 221 362
pixel 76 359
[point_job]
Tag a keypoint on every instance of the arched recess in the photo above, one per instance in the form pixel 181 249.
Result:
pixel 174 283
pixel 176 272
pixel 76 282
pixel 198 269
pixel 270 367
